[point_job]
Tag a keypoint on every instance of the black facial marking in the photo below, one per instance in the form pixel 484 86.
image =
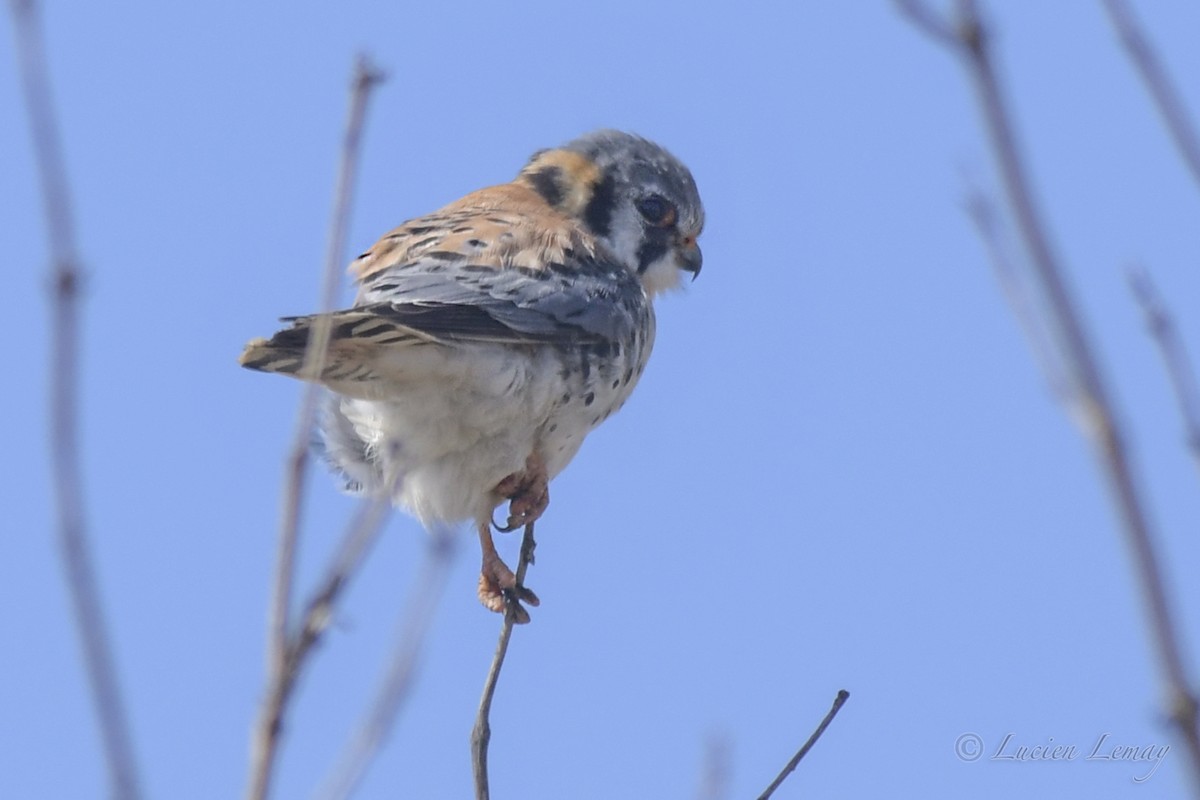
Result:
pixel 649 252
pixel 599 211
pixel 547 182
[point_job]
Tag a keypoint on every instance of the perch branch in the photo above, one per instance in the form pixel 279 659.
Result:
pixel 481 733
pixel 838 702
pixel 65 278
pixel 1091 396
pixel 280 669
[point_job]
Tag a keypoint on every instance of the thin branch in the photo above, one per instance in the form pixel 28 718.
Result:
pixel 989 226
pixel 399 679
pixel 279 669
pixel 930 22
pixel 481 733
pixel 1174 356
pixel 65 279
pixel 362 532
pixel 1158 83
pixel 838 702
pixel 714 776
pixel 356 543
pixel 1092 396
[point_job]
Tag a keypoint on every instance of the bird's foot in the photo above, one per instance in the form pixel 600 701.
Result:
pixel 528 494
pixel 498 590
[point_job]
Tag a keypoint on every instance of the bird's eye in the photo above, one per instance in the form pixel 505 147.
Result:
pixel 657 210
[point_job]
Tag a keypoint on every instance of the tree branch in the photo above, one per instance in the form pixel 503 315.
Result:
pixel 65 279
pixel 399 677
pixel 281 669
pixel 838 702
pixel 1174 356
pixel 481 734
pixel 1158 83
pixel 1091 397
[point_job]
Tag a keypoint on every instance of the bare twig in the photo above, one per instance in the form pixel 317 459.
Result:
pixel 355 545
pixel 1091 396
pixel 280 669
pixel 838 702
pixel 1174 355
pixel 65 279
pixel 1158 83
pixel 931 23
pixel 481 734
pixel 362 532
pixel 988 223
pixel 714 776
pixel 398 680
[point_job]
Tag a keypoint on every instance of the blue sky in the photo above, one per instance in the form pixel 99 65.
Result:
pixel 841 470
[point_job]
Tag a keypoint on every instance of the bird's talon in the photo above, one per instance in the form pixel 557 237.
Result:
pixel 509 528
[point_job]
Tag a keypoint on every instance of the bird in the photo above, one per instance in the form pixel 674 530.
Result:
pixel 489 337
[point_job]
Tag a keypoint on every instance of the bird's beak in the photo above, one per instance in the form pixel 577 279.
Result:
pixel 690 257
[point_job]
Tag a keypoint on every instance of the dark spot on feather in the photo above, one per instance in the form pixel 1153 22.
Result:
pixel 443 255
pixel 589 398
pixel 547 183
pixel 566 398
pixel 477 243
pixel 616 383
pixel 598 213
pixel 595 421
pixel 419 229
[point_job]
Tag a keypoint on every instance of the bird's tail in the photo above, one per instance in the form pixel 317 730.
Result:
pixel 286 351
pixel 283 353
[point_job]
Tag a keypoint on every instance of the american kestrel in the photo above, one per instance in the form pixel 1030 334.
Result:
pixel 490 337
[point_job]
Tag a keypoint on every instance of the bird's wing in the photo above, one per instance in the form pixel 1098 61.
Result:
pixel 498 266
pixel 500 263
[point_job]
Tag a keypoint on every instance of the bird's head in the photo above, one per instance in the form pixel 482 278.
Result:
pixel 637 199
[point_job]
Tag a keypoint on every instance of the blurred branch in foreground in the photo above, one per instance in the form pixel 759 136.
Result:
pixel 1158 83
pixel 838 702
pixel 65 279
pixel 399 677
pixel 714 776
pixel 967 37
pixel 481 734
pixel 286 651
pixel 1174 355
